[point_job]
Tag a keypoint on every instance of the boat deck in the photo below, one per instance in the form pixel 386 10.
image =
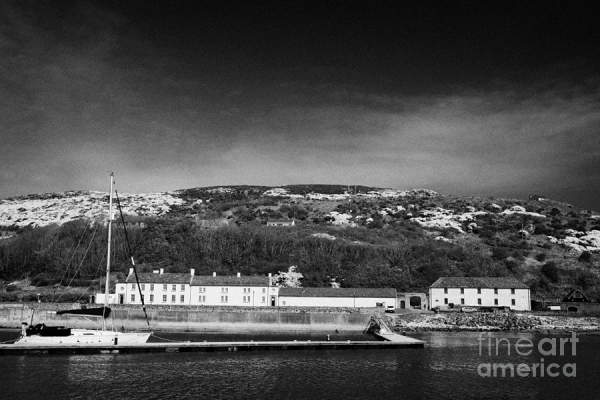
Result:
pixel 395 342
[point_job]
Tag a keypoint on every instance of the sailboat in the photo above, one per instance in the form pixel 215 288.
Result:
pixel 42 335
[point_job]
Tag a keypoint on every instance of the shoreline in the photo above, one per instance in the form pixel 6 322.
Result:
pixel 495 322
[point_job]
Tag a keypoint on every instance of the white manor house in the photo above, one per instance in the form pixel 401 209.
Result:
pixel 194 290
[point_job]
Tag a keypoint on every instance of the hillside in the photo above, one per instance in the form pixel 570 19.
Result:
pixel 359 236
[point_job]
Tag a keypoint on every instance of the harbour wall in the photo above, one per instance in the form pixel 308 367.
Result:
pixel 274 320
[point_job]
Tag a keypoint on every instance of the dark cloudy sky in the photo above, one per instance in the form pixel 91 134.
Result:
pixel 495 98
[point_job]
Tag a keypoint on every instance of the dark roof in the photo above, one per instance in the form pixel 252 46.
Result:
pixel 148 277
pixel 339 292
pixel 582 298
pixel 230 281
pixel 480 282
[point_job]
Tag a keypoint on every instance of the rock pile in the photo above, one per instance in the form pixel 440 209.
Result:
pixel 470 322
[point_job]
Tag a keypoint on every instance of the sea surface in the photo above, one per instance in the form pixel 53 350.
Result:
pixel 449 367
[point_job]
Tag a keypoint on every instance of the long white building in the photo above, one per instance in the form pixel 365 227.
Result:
pixel 480 292
pixel 189 289
pixel 181 289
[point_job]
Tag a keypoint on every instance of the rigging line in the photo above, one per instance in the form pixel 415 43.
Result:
pixel 72 256
pixel 131 256
pixel 70 261
pixel 81 263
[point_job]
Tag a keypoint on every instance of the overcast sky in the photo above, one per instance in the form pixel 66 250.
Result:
pixel 466 98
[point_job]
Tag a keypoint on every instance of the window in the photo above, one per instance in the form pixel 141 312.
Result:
pixel 151 286
pixel 133 286
pixel 244 291
pixel 246 299
pixel 478 290
pixel 462 301
pixel 495 291
pixel 264 299
pixel 445 300
pixel 182 298
pixel 223 299
pixel 182 288
pixel 513 302
pixel 462 290
pixel 151 298
pixel 164 287
pixel 577 296
pixel 133 298
pixel 495 302
pixel 164 298
pixel 202 299
pixel 143 286
pixel 174 288
pixel 173 299
pixel 512 291
pixel 479 301
pixel 445 290
pixel 224 290
pixel 264 290
pixel 202 290
pixel 122 288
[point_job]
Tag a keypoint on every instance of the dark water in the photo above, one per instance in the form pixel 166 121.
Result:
pixel 446 368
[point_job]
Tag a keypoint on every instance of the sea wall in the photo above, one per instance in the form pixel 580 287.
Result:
pixel 276 320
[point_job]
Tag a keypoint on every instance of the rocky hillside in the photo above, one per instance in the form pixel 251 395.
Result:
pixel 576 231
pixel 407 238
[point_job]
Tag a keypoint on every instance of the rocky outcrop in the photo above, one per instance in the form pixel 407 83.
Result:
pixel 578 242
pixel 44 210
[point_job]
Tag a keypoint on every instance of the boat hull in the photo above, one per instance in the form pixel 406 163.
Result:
pixel 81 337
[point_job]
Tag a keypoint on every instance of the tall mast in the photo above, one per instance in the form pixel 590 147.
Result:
pixel 110 215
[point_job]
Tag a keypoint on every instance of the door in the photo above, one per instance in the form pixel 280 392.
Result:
pixel 272 301
pixel 121 299
pixel 402 304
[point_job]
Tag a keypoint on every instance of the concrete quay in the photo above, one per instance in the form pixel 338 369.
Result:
pixel 397 342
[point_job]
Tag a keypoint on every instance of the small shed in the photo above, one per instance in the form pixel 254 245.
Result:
pixel 537 197
pixel 576 296
pixel 281 222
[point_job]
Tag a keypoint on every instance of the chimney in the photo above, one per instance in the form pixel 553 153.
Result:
pixel 192 271
pixel 214 274
pixel 238 274
pixel 162 270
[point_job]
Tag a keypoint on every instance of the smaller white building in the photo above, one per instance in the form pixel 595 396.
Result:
pixel 281 222
pixel 480 292
pixel 336 297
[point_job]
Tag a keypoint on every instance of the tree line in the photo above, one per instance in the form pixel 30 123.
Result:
pixel 360 257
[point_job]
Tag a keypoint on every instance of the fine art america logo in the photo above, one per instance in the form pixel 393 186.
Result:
pixel 546 347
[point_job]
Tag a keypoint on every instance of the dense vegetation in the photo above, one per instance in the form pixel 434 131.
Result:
pixel 226 233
